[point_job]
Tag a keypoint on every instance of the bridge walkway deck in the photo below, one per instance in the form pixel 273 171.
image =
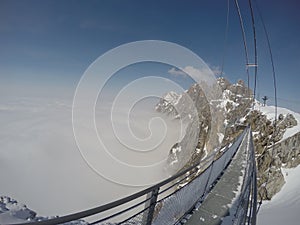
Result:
pixel 219 204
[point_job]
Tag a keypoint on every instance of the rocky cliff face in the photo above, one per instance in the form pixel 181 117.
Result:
pixel 271 158
pixel 182 106
pixel 202 133
pixel 277 142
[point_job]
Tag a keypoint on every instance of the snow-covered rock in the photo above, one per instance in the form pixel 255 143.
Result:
pixel 12 212
pixel 168 103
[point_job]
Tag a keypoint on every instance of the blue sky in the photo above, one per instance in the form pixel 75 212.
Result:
pixel 47 44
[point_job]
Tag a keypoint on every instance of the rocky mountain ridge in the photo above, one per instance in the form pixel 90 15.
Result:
pixel 277 142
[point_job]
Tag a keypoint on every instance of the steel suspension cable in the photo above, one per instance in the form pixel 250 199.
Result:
pixel 225 37
pixel 271 58
pixel 255 48
pixel 244 41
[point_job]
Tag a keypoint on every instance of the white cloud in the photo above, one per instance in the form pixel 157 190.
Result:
pixel 216 70
pixel 191 71
pixel 195 73
pixel 199 75
pixel 176 72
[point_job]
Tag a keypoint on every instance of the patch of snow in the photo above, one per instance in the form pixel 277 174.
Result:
pixel 225 122
pixel 172 98
pixel 221 136
pixel 223 149
pixel 206 129
pixel 176 149
pixel 226 101
pixel 198 150
pixel 243 119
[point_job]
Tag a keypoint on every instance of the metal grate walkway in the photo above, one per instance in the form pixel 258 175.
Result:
pixel 221 203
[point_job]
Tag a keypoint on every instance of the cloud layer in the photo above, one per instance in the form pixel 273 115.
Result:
pixel 41 165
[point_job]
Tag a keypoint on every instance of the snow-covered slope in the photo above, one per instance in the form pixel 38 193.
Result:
pixel 284 207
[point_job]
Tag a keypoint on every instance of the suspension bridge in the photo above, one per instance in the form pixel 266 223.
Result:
pixel 221 188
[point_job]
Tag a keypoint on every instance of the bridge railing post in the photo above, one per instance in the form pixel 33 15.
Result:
pixel 151 205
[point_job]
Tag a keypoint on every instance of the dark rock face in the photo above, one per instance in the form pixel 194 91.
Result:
pixel 234 113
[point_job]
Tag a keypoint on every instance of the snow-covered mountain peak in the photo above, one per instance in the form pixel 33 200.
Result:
pixel 172 98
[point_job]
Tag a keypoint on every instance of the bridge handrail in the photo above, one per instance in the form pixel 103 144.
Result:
pixel 150 190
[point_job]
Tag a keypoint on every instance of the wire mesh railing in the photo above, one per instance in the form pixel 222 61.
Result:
pixel 169 201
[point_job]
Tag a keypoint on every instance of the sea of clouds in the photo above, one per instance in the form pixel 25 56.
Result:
pixel 41 165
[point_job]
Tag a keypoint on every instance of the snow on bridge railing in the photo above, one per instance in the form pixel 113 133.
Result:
pixel 169 201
